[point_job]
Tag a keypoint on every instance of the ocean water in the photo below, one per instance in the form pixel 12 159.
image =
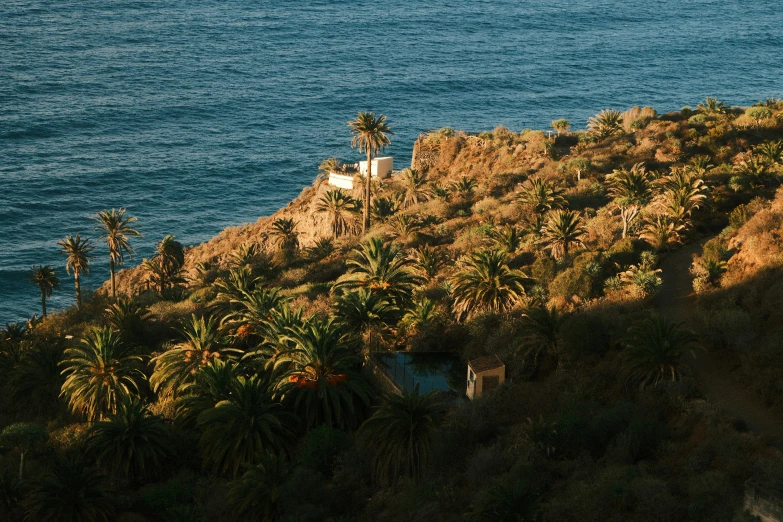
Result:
pixel 199 114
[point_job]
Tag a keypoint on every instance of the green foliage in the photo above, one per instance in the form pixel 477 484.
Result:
pixel 562 230
pixel 505 502
pixel 486 284
pixel 132 443
pixel 399 434
pixel 656 350
pixel 23 437
pixel 100 374
pixel 320 448
pixel 256 495
pixel 606 123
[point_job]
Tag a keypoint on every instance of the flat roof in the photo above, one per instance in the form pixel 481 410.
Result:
pixel 483 364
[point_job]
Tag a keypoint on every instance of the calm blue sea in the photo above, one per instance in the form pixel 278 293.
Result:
pixel 199 114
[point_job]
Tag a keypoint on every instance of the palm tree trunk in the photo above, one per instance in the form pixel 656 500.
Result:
pixel 368 181
pixel 624 214
pixel 43 302
pixel 77 283
pixel 21 466
pixel 113 284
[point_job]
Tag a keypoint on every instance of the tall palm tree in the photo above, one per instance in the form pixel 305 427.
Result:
pixel 323 383
pixel 562 230
pixel 45 278
pixel 542 195
pixel 381 268
pixel 370 135
pixel 399 435
pixel 131 443
pixel 203 341
pixel 116 230
pixel 72 492
pixel 416 187
pixel 631 190
pixel 486 284
pixel 78 261
pixel 341 209
pixel 99 374
pixel 238 431
pixel 656 350
pixel 606 123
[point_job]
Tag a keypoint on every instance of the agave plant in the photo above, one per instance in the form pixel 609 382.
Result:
pixel 542 195
pixel 562 230
pixel 606 123
pixel 655 351
pixel 486 284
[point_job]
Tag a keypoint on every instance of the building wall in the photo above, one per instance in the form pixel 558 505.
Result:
pixel 476 388
pixel 341 180
pixel 381 167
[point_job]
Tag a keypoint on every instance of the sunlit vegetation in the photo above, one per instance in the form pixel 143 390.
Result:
pixel 238 379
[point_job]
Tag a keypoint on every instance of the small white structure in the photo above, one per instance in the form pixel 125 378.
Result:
pixel 381 168
pixel 485 374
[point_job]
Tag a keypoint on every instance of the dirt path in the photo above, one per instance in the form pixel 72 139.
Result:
pixel 677 302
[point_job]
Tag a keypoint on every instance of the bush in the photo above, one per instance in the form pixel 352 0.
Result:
pixel 320 448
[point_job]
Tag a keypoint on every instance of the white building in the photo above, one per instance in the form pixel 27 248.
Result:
pixel 381 168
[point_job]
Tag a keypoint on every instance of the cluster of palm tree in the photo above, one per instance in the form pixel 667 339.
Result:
pixel 116 230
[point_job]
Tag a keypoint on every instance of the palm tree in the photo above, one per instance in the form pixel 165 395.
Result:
pixel 464 186
pixel 755 169
pixel 406 226
pixel 381 268
pixel 363 311
pixel 399 435
pixel 253 310
pixel 322 248
pixel 580 166
pixel 284 230
pixel 166 267
pixel 416 187
pixel 46 279
pixel 129 319
pixel 507 238
pixel 712 106
pixel 131 443
pixel 211 385
pixel 656 348
pixel 643 281
pixel 486 284
pixel 255 497
pixel 771 151
pixel 116 230
pixel 241 429
pixel 341 209
pixel 562 230
pixel 78 252
pixel 370 135
pixel 178 366
pixel 631 190
pixel 561 125
pixel 72 492
pixel 606 123
pixel 240 283
pixel 661 231
pixel 99 374
pixel 541 326
pixel 323 383
pixel 428 261
pixel 36 379
pixel 683 194
pixel 542 195
pixel 384 207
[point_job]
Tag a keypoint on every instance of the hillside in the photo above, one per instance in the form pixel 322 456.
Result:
pixel 565 254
